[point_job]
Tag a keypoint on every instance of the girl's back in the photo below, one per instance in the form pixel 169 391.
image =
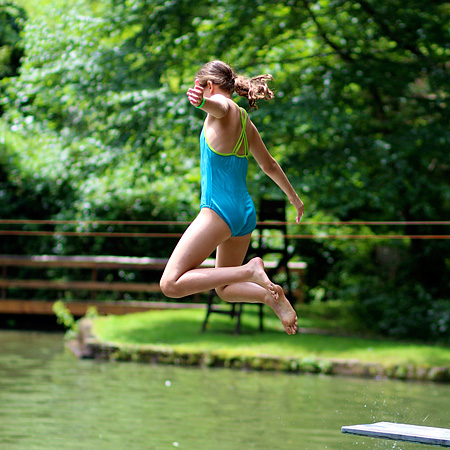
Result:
pixel 223 134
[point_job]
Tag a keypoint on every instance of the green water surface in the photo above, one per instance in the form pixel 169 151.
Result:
pixel 51 400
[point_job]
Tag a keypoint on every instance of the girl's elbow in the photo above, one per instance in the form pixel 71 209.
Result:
pixel 270 167
pixel 220 114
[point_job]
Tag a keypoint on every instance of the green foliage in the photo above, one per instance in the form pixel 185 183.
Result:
pixel 66 318
pixel 97 126
pixel 388 308
pixel 12 18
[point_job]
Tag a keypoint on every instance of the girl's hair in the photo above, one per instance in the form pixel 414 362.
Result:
pixel 224 76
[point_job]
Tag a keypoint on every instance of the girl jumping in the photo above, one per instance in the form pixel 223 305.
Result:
pixel 227 214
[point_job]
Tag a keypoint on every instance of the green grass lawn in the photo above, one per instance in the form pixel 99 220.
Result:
pixel 180 330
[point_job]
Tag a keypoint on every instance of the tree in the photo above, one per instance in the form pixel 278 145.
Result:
pixel 360 122
pixel 12 18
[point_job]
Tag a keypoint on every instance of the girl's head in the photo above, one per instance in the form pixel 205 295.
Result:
pixel 223 75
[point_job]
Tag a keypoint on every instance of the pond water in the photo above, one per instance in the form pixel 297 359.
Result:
pixel 50 400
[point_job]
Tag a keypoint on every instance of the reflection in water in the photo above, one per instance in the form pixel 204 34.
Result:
pixel 51 400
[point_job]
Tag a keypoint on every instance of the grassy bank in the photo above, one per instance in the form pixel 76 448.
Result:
pixel 180 331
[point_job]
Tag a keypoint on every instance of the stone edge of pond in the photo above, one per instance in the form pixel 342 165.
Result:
pixel 87 346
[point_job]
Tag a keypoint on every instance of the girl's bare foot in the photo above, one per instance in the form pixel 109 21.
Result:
pixel 259 276
pixel 284 311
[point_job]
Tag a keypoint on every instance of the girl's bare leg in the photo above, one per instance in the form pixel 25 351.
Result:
pixel 182 276
pixel 252 293
pixel 232 252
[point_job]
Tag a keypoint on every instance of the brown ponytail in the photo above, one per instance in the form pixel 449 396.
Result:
pixel 224 76
pixel 253 88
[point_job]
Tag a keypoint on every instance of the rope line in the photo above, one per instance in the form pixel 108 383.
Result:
pixel 87 233
pixel 178 235
pixel 171 222
pixel 85 222
pixel 185 223
pixel 377 236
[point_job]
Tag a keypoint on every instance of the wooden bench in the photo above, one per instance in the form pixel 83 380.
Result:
pixel 79 308
pixel 94 264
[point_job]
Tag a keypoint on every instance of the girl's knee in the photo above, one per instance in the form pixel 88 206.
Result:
pixel 169 287
pixel 220 291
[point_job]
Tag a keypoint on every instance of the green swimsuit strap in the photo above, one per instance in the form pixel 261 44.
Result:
pixel 243 136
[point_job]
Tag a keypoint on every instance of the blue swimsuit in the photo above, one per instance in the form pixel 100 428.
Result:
pixel 224 186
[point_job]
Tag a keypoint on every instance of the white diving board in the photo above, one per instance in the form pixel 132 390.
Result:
pixel 402 432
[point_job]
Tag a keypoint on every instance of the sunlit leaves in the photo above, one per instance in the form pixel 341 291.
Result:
pixel 359 121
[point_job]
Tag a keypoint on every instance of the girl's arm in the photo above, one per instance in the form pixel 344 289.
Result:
pixel 216 105
pixel 273 170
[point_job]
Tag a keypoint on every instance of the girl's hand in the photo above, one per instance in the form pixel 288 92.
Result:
pixel 300 209
pixel 195 95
